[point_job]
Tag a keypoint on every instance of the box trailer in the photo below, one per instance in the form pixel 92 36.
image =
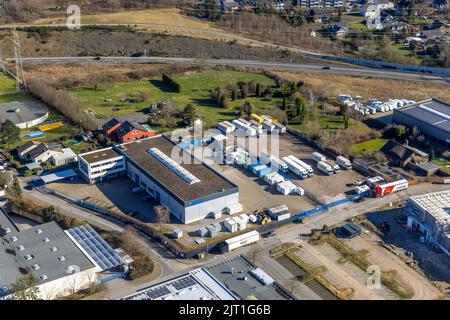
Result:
pixel 296 168
pixel 303 164
pixel 344 162
pixel 281 128
pixel 268 126
pixel 318 157
pixel 226 127
pixel 242 240
pixel 279 213
pixel 257 117
pixel 396 186
pixel 334 166
pixel 325 168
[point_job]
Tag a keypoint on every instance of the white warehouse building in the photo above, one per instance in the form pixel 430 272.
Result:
pixel 191 192
pixel 430 213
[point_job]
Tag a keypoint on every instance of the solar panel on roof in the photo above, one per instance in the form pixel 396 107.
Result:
pixel 96 247
pixel 157 293
pixel 184 283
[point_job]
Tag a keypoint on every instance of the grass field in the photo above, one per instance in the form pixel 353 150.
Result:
pixel 195 89
pixel 331 86
pixel 370 145
pixel 8 90
pixel 169 16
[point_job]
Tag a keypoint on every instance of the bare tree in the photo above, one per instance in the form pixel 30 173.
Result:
pixel 162 215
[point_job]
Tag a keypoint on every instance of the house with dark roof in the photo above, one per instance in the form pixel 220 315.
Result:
pixel 127 131
pixel 402 155
pixel 131 130
pixel 109 127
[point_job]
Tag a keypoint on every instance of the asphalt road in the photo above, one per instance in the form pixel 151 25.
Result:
pixel 305 67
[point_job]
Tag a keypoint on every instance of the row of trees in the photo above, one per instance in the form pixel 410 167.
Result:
pixel 171 83
pixel 63 102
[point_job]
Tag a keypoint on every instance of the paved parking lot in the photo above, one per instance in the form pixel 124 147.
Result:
pixel 255 194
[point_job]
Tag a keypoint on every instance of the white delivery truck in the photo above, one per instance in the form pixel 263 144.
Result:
pixel 334 166
pixel 344 162
pixel 318 157
pixel 325 168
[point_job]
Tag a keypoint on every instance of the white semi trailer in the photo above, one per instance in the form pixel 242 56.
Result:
pixel 306 166
pixel 344 162
pixel 296 168
pixel 325 168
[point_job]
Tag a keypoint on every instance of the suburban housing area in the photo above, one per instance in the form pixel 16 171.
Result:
pixel 225 150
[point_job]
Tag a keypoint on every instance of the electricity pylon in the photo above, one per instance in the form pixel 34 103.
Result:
pixel 20 76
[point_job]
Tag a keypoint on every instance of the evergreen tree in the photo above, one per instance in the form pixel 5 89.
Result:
pixel 16 188
pixel 9 133
pixel 189 114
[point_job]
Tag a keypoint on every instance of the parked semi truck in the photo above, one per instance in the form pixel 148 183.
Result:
pixel 306 166
pixel 296 168
pixel 387 188
pixel 318 157
pixel 325 168
pixel 344 162
pixel 334 166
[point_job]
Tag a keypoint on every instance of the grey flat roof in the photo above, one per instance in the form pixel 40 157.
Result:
pixel 28 110
pixel 432 112
pixel 100 155
pixel 250 287
pixel 13 264
pixel 210 183
pixel 196 285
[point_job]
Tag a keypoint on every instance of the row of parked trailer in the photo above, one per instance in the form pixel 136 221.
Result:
pixel 378 187
pixel 256 126
pixel 373 105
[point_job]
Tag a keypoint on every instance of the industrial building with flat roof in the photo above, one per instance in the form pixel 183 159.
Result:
pixel 46 253
pixel 197 284
pixel 233 279
pixel 191 191
pixel 431 214
pixel 431 117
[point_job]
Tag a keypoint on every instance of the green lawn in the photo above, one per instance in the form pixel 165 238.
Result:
pixel 443 163
pixel 195 89
pixel 8 90
pixel 370 145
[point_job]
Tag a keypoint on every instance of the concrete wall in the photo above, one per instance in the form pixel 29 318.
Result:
pixel 32 123
pixel 70 284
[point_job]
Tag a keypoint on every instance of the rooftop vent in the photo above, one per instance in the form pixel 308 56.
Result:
pixel 35 266
pixel 14 238
pixel 20 247
pixel 28 257
pixel 38 231
pixel 173 166
pixel 44 277
pixel 62 258
pixel 46 240
pixel 53 249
